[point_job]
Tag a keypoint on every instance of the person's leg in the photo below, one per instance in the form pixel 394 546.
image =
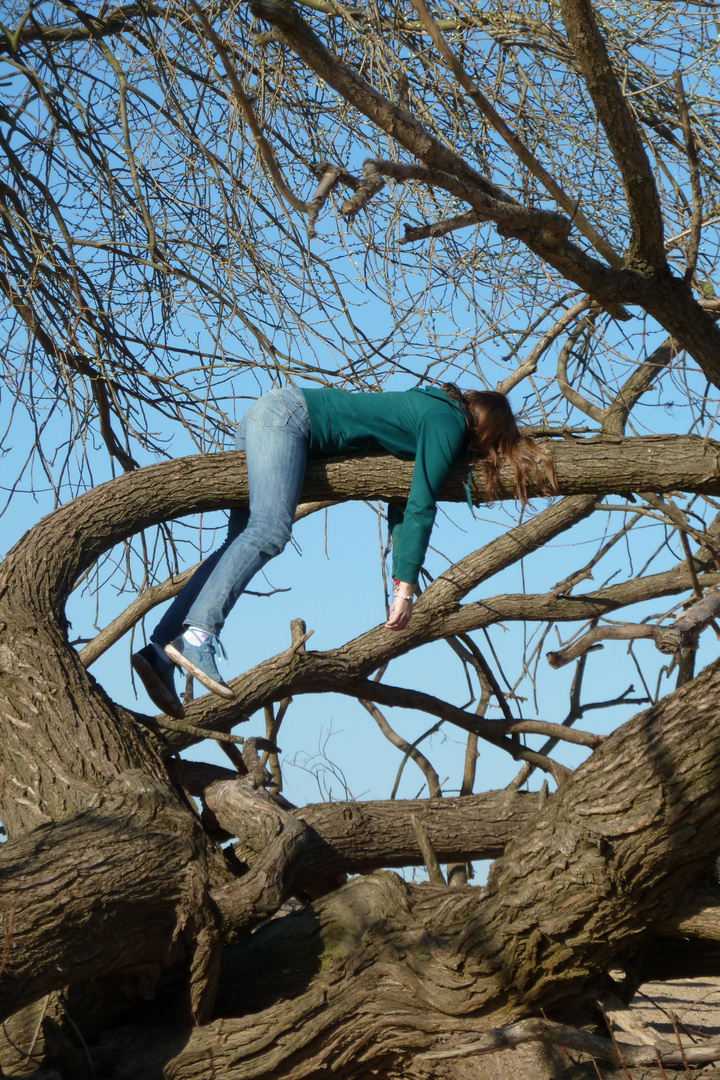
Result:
pixel 152 664
pixel 277 434
pixel 174 620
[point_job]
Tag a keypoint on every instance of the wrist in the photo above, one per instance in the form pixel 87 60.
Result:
pixel 403 590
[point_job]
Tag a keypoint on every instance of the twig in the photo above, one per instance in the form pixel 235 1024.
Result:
pixel 676 1029
pixel 514 142
pixel 485 729
pixel 695 186
pixel 192 729
pixel 615 1043
pixel 432 864
pixel 697 591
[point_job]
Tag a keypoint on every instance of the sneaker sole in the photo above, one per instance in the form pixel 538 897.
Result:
pixel 156 689
pixel 221 689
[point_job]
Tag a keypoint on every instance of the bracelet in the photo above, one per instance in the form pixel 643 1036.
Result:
pixel 396 591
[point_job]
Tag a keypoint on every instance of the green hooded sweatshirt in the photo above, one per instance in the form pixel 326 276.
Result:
pixel 424 425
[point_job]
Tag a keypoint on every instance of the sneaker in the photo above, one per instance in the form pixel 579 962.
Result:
pixel 199 660
pixel 157 675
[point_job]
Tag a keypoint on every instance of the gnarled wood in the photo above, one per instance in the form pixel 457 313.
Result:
pixel 604 862
pixel 121 883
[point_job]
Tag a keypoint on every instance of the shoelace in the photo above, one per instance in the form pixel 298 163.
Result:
pixel 220 648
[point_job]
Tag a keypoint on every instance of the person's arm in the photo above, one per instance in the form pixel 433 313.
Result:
pixel 439 444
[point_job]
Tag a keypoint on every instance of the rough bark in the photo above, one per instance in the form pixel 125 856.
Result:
pixel 367 836
pixel 381 970
pixel 122 883
pixel 109 873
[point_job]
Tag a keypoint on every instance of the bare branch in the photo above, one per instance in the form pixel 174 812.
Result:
pixel 371 183
pixel 554 227
pixel 491 731
pixel 409 750
pixel 327 182
pixel 529 365
pixel 647 246
pixel 514 142
pixel 440 228
pixel 566 389
pixel 695 186
pixel 435 874
pixel 590 641
pixel 668 639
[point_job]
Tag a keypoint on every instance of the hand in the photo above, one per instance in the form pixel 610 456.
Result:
pixel 402 607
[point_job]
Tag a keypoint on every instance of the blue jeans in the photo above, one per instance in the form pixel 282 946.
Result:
pixel 275 435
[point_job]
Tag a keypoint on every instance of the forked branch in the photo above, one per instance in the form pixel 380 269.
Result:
pixel 681 634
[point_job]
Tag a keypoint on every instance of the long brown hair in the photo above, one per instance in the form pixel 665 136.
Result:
pixel 493 435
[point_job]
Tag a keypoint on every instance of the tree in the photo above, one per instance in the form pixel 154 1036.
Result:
pixel 170 176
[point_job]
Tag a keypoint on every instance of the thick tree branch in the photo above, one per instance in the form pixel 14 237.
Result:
pixel 76 535
pixel 554 227
pixel 592 639
pixel 240 807
pixel 363 836
pixel 609 286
